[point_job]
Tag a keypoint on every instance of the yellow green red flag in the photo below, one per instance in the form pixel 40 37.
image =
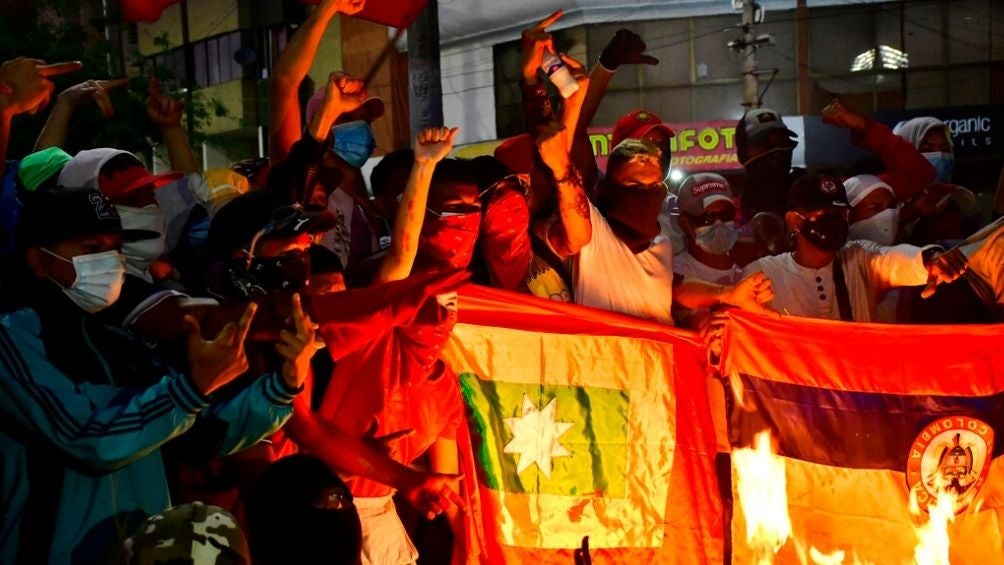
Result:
pixel 586 423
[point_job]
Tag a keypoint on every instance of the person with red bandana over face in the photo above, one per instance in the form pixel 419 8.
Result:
pixel 389 384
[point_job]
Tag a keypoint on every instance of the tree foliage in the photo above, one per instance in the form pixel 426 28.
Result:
pixel 64 30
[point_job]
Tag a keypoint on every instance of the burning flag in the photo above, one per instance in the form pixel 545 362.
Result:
pixel 586 423
pixel 868 420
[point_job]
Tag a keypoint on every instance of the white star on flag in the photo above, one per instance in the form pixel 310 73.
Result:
pixel 535 436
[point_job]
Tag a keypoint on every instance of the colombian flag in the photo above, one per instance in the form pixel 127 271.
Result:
pixel 864 414
pixel 586 423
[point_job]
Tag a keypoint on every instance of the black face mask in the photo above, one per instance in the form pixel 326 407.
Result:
pixel 767 181
pixel 268 274
pixel 827 232
pixel 632 212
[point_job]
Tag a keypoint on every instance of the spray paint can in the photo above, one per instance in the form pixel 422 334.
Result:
pixel 556 70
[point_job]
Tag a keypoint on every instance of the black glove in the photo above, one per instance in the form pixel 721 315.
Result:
pixel 626 47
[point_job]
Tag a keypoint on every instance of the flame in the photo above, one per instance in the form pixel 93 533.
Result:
pixel 761 488
pixel 933 541
pixel 820 558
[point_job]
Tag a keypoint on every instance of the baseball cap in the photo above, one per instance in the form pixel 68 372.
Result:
pixel 40 166
pixel 263 213
pixel 635 124
pixel 699 191
pixel 225 185
pixel 189 533
pixel 761 121
pixel 814 190
pixel 516 153
pixel 84 169
pixel 860 186
pixel 55 215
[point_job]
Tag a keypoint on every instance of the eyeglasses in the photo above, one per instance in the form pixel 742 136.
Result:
pixel 709 218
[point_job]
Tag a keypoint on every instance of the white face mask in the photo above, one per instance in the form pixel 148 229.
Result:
pixel 880 228
pixel 718 238
pixel 139 254
pixel 99 279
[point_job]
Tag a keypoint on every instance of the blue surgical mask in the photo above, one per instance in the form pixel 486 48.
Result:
pixel 942 163
pixel 197 233
pixel 354 142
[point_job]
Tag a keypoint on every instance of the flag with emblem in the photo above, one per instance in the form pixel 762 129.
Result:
pixel 586 423
pixel 873 424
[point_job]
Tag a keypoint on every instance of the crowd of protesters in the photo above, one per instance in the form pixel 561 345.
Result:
pixel 260 346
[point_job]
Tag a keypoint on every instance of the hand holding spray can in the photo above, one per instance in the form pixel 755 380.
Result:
pixel 556 70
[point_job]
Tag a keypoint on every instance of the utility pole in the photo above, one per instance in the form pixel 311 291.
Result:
pixel 747 44
pixel 189 53
pixel 751 86
pixel 425 88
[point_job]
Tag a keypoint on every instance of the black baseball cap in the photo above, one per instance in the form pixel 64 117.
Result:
pixel 813 191
pixel 50 216
pixel 267 211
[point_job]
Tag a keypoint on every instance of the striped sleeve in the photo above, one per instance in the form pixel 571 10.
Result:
pixel 100 426
pixel 256 412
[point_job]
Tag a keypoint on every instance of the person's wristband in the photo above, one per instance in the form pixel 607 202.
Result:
pixel 608 64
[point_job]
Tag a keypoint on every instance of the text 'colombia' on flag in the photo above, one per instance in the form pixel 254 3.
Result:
pixel 586 423
pixel 865 417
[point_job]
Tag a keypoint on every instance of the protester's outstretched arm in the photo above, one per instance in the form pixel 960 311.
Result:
pixel 751 294
pixel 625 48
pixel 573 229
pixel 429 493
pixel 289 70
pixel 431 146
pixel 444 459
pixel 165 112
pixel 84 424
pixel 57 125
pixel 906 170
pixel 537 108
pixel 25 87
pixel 580 150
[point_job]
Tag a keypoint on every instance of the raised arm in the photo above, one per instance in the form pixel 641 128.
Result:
pixel 906 170
pixel 431 146
pixel 572 230
pixel 25 87
pixel 57 126
pixel 290 69
pixel 165 112
pixel 625 48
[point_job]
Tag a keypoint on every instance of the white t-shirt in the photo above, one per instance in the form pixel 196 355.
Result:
pixel 608 275
pixel 986 259
pixel 687 265
pixel 869 270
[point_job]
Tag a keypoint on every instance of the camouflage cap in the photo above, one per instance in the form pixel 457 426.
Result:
pixel 189 533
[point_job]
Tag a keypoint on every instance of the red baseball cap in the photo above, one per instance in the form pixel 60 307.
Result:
pixel 516 153
pixel 85 168
pixel 636 124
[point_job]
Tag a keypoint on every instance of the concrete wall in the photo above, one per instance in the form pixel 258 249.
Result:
pixel 468 93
